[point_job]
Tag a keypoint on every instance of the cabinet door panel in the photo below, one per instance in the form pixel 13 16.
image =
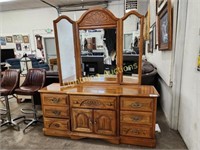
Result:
pixel 82 120
pixel 105 122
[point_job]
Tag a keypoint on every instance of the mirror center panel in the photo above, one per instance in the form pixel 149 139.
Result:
pixel 98 54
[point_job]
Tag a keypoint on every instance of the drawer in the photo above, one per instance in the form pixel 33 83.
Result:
pixel 56 112
pixel 131 103
pixel 102 102
pixel 58 124
pixel 136 131
pixel 54 99
pixel 144 118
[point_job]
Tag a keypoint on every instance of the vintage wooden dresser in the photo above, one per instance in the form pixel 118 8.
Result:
pixel 116 113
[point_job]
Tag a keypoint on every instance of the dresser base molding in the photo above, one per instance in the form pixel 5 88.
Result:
pixel 111 139
pixel 138 141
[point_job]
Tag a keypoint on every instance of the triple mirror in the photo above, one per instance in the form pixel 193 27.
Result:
pixel 99 48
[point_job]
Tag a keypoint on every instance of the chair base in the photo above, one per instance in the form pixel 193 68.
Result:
pixel 10 123
pixel 32 121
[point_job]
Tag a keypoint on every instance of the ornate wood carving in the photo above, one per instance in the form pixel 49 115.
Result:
pixel 97 18
pixel 133 131
pixel 91 102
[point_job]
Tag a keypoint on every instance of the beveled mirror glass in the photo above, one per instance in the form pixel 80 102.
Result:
pixel 98 54
pixel 64 34
pixel 131 48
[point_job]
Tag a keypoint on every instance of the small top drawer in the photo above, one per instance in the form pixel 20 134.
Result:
pixel 102 102
pixel 141 104
pixel 54 99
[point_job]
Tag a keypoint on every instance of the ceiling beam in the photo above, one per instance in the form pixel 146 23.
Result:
pixel 56 7
pixel 84 4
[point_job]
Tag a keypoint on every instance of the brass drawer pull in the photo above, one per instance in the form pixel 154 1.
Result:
pixel 136 105
pixel 136 118
pixel 56 112
pixel 75 102
pixel 110 104
pixel 55 100
pixel 56 125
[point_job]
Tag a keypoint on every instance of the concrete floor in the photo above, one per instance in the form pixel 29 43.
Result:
pixel 11 139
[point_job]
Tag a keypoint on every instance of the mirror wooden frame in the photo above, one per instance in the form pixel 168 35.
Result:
pixel 141 17
pixel 98 18
pixel 62 83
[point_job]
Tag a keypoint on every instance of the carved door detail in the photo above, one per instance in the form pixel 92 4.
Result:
pixel 105 122
pixel 82 120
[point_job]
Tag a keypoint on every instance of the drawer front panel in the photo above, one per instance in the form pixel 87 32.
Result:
pixel 136 117
pixel 141 104
pixel 58 124
pixel 93 102
pixel 56 112
pixel 136 131
pixel 54 99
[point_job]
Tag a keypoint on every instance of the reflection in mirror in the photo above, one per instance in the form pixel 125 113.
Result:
pixel 66 51
pixel 131 33
pixel 98 54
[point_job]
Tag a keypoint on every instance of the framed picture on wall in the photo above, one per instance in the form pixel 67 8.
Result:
pixel 18 38
pixel 26 39
pixel 2 41
pixel 165 27
pixel 154 36
pixel 18 47
pixel 9 39
pixel 151 42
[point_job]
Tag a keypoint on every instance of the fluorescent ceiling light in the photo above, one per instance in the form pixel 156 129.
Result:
pixel 1 1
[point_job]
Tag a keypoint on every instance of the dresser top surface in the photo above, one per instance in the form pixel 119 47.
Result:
pixel 110 90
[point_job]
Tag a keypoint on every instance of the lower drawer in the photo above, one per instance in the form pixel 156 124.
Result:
pixel 56 112
pixel 58 124
pixel 144 118
pixel 136 131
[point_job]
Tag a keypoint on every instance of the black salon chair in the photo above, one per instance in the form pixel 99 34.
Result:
pixel 9 83
pixel 34 81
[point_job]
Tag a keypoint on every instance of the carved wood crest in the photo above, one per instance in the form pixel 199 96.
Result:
pixel 97 18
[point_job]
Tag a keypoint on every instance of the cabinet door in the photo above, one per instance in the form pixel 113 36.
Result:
pixel 82 120
pixel 105 122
